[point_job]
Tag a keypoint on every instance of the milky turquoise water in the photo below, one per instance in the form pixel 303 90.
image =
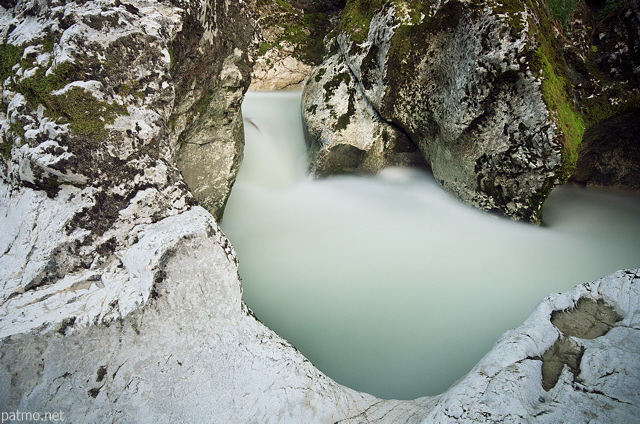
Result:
pixel 386 283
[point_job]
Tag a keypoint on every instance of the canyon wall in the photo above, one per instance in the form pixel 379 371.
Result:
pixel 121 300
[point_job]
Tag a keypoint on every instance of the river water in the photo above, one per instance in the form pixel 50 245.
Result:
pixel 388 284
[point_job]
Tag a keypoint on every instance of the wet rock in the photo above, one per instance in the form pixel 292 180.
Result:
pixel 211 71
pixel 359 140
pixel 494 95
pixel 456 80
pixel 610 153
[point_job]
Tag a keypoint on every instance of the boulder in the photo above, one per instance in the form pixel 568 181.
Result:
pixel 484 90
pixel 359 140
pixel 609 155
pixel 120 298
pixel 211 67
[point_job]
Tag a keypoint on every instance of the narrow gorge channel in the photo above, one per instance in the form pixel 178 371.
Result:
pixel 386 283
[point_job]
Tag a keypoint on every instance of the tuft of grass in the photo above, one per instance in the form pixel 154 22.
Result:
pixel 10 56
pixel 562 10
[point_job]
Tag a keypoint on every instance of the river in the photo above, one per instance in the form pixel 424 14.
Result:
pixel 388 284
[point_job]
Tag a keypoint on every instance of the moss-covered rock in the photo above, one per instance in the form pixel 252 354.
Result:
pixel 344 132
pixel 290 40
pixel 492 92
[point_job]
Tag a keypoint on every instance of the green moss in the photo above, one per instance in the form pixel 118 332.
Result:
pixel 557 92
pixel 569 119
pixel 356 18
pixel 130 88
pixel 48 43
pixel 16 129
pixel 304 30
pixel 562 10
pixel 265 47
pixel 86 115
pixel 37 88
pixel 10 56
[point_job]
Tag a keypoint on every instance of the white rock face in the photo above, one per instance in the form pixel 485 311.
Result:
pixel 193 353
pixel 278 70
pixel 120 299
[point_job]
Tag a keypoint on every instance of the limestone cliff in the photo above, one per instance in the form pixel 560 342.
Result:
pixel 120 298
pixel 486 90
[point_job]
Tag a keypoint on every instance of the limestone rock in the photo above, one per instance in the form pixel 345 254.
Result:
pixel 290 41
pixel 193 352
pixel 277 69
pixel 596 379
pixel 485 90
pixel 211 70
pixel 609 85
pixel 120 298
pixel 359 141
pixel 85 107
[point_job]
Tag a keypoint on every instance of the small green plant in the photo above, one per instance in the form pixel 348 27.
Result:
pixel 610 7
pixel 562 10
pixel 10 56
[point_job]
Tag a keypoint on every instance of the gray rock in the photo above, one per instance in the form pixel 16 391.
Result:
pixel 211 70
pixel 484 90
pixel 290 41
pixel 344 131
pixel 120 299
pixel 610 153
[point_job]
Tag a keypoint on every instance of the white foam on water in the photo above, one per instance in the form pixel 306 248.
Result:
pixel 388 284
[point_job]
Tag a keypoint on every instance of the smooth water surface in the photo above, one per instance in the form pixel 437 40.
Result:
pixel 386 283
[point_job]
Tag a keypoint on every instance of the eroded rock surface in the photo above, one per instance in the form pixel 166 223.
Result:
pixel 290 41
pixel 120 298
pixel 490 94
